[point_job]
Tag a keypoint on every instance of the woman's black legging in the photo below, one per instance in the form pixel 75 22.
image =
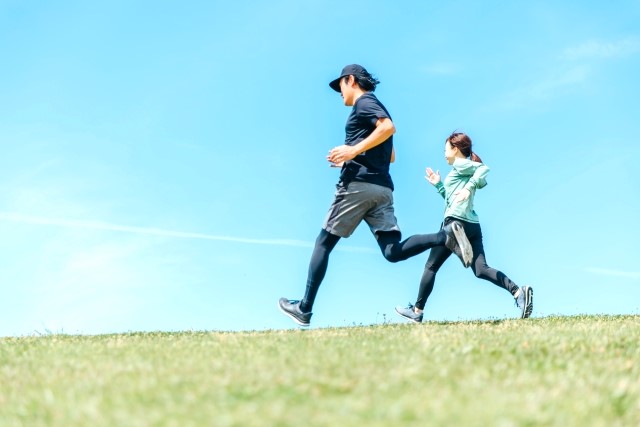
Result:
pixel 439 255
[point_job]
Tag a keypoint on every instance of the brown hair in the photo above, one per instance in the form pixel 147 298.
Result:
pixel 462 142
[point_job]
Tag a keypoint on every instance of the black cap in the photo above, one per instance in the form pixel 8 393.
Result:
pixel 353 69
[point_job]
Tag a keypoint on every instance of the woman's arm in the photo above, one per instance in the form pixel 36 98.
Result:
pixel 478 179
pixel 478 172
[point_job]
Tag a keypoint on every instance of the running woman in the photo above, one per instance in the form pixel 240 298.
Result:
pixel 365 192
pixel 468 174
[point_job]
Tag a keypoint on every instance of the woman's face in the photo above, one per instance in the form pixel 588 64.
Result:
pixel 450 152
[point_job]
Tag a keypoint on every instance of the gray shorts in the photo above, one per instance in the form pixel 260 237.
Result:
pixel 361 200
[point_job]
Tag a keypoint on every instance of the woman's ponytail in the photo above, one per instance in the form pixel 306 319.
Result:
pixel 463 143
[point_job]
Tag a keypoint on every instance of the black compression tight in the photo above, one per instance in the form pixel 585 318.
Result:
pixel 479 266
pixel 394 250
pixel 318 267
pixel 390 245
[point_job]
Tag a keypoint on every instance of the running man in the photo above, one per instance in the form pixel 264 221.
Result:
pixel 365 191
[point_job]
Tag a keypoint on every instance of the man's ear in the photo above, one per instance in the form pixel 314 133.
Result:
pixel 351 80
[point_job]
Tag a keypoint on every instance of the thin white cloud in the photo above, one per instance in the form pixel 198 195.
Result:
pixel 99 225
pixel 542 90
pixel 547 88
pixel 614 273
pixel 601 49
pixel 573 69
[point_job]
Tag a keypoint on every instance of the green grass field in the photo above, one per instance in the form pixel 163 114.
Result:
pixel 553 371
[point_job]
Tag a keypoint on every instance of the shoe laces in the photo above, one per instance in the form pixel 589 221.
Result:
pixel 298 304
pixel 412 308
pixel 518 298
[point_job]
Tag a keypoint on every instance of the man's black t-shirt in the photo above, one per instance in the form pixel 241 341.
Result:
pixel 372 165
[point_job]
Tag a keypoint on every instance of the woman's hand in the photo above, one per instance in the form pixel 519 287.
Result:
pixel 432 177
pixel 462 195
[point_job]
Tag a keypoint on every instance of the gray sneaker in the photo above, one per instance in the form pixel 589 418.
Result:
pixel 292 309
pixel 458 243
pixel 524 301
pixel 408 313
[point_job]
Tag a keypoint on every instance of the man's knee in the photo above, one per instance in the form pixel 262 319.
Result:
pixel 390 255
pixel 326 240
pixel 386 237
pixel 388 242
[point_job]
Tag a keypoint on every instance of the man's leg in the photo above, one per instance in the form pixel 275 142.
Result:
pixel 300 311
pixel 394 250
pixel 383 224
pixel 345 213
pixel 318 267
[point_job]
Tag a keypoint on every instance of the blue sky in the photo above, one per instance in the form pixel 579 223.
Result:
pixel 163 164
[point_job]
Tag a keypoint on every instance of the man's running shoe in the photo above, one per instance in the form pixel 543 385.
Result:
pixel 458 243
pixel 409 313
pixel 292 309
pixel 524 301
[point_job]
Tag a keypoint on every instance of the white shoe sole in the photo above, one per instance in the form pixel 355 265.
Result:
pixel 528 302
pixel 407 317
pixel 291 316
